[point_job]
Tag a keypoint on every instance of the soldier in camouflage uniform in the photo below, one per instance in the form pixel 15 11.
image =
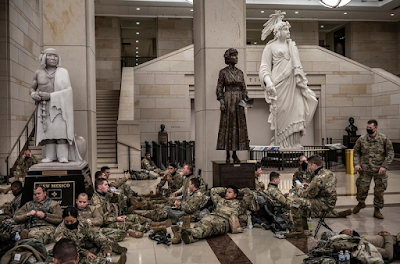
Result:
pixel 148 164
pixel 40 216
pixel 92 245
pixel 184 190
pixel 26 161
pixel 303 173
pixel 10 208
pixel 373 153
pixel 112 217
pixel 91 215
pixel 173 178
pixel 260 186
pixel 217 223
pixel 278 202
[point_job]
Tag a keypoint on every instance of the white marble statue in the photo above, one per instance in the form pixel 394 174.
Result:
pixel 52 92
pixel 292 103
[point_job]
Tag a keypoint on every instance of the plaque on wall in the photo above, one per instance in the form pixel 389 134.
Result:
pixel 239 174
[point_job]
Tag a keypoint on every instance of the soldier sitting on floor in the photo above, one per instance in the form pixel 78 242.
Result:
pixel 81 234
pixel 173 178
pixel 260 186
pixel 7 210
pixel 223 219
pixel 40 216
pixel 303 173
pixel 148 164
pixel 184 190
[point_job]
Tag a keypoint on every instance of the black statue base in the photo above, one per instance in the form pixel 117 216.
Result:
pixel 239 174
pixel 63 181
pixel 350 141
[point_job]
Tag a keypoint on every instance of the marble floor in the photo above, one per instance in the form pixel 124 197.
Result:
pixel 259 245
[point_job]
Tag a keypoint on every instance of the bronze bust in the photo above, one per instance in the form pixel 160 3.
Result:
pixel 231 89
pixel 351 129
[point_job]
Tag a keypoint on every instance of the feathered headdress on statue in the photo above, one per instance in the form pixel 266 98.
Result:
pixel 274 24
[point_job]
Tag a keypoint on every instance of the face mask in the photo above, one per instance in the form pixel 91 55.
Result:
pixel 370 131
pixel 304 166
pixel 72 226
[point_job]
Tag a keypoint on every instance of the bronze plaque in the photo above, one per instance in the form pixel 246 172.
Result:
pixel 54 173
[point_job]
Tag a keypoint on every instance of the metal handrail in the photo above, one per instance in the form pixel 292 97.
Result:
pixel 18 142
pixel 129 152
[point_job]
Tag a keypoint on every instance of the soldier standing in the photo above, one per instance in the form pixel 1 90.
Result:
pixel 373 153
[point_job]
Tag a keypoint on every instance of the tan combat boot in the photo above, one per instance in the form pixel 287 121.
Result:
pixel 298 230
pixel 344 213
pixel 160 228
pixel 166 223
pixel 359 206
pixel 378 214
pixel 135 234
pixel 137 205
pixel 122 259
pixel 177 239
pixel 186 222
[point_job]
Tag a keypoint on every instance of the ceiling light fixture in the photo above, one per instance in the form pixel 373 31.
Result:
pixel 262 11
pixel 137 41
pixel 322 26
pixel 345 13
pixel 138 23
pixel 296 12
pixel 392 14
pixel 334 3
pixel 255 43
pixel 191 10
pixel 138 8
pixel 137 33
pixel 137 47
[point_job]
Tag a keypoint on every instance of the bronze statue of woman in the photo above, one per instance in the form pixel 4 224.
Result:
pixel 231 89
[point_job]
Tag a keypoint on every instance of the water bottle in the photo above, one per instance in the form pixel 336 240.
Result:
pixel 17 237
pixel 309 223
pixel 347 256
pixel 249 222
pixel 341 258
pixel 108 258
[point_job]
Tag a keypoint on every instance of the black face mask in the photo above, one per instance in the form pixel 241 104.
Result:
pixel 72 226
pixel 304 166
pixel 370 131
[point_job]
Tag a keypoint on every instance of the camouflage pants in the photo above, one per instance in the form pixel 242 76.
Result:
pixel 303 207
pixel 100 259
pixel 114 234
pixel 44 234
pixel 363 182
pixel 209 226
pixel 133 221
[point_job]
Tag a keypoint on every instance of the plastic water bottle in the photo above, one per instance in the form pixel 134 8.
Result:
pixel 17 237
pixel 347 256
pixel 249 222
pixel 309 223
pixel 341 258
pixel 108 258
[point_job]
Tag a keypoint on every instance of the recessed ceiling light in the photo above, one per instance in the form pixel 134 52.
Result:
pixel 138 8
pixel 137 56
pixel 296 12
pixel 137 52
pixel 191 10
pixel 322 26
pixel 392 14
pixel 137 33
pixel 262 11
pixel 137 41
pixel 137 64
pixel 137 47
pixel 138 23
pixel 345 13
pixel 255 43
pixel 137 59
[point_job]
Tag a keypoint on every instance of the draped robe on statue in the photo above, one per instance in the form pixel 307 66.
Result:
pixel 59 118
pixel 295 105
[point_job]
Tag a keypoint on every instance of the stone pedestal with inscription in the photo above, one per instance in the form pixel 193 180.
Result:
pixel 239 174
pixel 63 181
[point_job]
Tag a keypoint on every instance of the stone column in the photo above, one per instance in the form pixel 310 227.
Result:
pixel 218 25
pixel 68 26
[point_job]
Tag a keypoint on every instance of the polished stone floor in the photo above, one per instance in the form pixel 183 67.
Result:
pixel 259 245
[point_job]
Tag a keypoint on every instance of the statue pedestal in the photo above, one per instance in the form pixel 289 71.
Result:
pixel 350 141
pixel 239 174
pixel 63 181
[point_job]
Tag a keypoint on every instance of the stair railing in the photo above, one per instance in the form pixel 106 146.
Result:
pixel 28 135
pixel 129 152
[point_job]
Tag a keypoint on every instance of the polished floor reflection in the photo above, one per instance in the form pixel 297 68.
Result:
pixel 259 245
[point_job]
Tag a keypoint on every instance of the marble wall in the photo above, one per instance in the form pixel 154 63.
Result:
pixel 108 53
pixel 20 45
pixel 173 34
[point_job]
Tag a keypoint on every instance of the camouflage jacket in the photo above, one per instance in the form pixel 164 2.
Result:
pixel 174 185
pixel 91 213
pixel 13 206
pixel 275 198
pixel 260 186
pixel 322 187
pixel 302 176
pixel 51 208
pixel 185 186
pixel 225 208
pixel 23 165
pixel 195 202
pixel 148 165
pixel 108 210
pixel 119 182
pixel 372 153
pixel 81 236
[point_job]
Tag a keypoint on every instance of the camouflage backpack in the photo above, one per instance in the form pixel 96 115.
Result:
pixel 27 251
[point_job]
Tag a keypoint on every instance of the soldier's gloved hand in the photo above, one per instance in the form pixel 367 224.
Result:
pixel 382 170
pixel 35 96
pixel 357 168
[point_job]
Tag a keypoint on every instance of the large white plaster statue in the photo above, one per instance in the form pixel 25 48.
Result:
pixel 292 103
pixel 52 92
